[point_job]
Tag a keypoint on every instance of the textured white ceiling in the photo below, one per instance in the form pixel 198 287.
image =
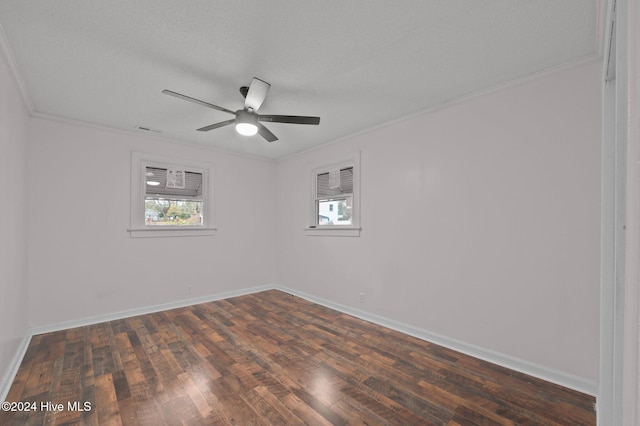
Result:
pixel 356 64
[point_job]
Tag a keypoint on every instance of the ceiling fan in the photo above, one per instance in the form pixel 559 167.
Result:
pixel 247 120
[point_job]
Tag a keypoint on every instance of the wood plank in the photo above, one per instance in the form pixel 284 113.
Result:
pixel 106 402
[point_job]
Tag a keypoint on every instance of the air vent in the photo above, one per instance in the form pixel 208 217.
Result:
pixel 147 129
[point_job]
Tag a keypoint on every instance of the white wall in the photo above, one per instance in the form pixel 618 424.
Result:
pixel 82 261
pixel 480 223
pixel 13 244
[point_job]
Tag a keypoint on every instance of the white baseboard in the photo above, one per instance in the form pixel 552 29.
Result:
pixel 7 380
pixel 545 373
pixel 146 310
pixel 554 376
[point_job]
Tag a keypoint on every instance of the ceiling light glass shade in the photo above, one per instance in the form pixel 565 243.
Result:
pixel 246 129
pixel 246 123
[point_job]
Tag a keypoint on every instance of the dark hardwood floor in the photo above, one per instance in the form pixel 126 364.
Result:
pixel 270 359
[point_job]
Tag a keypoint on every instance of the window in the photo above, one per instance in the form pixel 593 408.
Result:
pixel 173 197
pixel 170 197
pixel 335 199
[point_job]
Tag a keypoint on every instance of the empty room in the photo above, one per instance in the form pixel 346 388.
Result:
pixel 341 212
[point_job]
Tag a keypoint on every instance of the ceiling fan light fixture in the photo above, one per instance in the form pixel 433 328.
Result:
pixel 246 129
pixel 246 123
pixel 246 119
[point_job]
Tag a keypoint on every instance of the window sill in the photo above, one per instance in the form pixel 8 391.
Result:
pixel 170 232
pixel 333 231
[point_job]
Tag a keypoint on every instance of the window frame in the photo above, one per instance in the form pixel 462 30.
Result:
pixel 138 227
pixel 316 229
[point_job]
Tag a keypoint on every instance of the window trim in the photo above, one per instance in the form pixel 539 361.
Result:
pixel 138 228
pixel 353 230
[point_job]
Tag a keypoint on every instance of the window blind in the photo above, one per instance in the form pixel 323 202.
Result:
pixel 192 184
pixel 324 183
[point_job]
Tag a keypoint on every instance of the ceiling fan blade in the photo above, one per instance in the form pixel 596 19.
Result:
pixel 292 119
pixel 256 94
pixel 217 125
pixel 266 133
pixel 197 101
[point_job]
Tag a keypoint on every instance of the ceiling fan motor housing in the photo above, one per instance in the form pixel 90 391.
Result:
pixel 244 116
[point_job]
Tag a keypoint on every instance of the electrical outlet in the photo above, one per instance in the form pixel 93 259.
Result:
pixel 361 297
pixel 188 289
